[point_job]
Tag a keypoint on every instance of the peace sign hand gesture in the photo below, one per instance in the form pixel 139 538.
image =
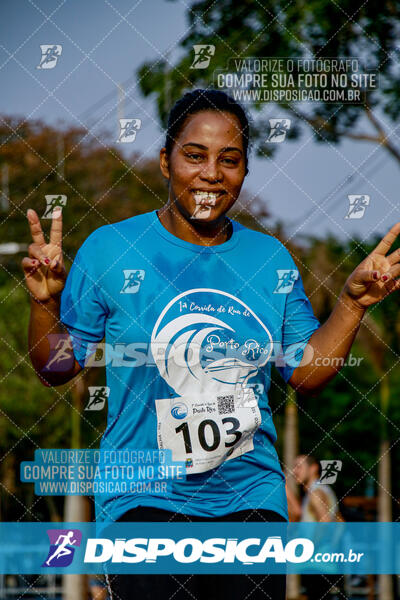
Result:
pixel 375 277
pixel 44 269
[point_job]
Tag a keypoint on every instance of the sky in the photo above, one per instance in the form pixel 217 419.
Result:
pixel 105 41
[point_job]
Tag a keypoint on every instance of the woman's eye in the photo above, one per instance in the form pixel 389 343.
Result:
pixel 197 157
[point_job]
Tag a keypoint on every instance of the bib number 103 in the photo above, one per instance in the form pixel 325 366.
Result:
pixel 209 434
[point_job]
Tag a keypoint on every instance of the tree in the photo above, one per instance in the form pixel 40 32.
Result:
pixel 316 29
pixel 101 187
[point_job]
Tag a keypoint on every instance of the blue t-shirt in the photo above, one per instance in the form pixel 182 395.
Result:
pixel 191 333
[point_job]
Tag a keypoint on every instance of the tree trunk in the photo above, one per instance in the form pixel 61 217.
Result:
pixel 290 451
pixel 75 587
pixel 290 438
pixel 76 508
pixel 384 487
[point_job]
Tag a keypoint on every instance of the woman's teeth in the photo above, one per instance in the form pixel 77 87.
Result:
pixel 209 198
pixel 204 203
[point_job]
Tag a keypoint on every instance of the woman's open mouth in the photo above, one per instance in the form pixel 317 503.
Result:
pixel 204 198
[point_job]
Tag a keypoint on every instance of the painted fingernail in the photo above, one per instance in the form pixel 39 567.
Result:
pixel 385 277
pixel 46 260
pixel 375 274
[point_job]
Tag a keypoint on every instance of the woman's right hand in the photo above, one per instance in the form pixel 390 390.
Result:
pixel 44 269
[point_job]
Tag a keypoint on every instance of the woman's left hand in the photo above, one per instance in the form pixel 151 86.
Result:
pixel 375 277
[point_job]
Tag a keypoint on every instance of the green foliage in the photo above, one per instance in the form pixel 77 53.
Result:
pixel 101 187
pixel 316 29
pixel 343 422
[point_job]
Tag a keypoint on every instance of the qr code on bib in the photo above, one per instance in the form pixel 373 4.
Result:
pixel 226 404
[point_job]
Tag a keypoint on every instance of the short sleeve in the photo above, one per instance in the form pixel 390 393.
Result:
pixel 83 308
pixel 299 323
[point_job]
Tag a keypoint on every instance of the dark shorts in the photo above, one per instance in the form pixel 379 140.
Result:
pixel 197 587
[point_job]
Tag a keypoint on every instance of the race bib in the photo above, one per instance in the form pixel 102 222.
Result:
pixel 204 431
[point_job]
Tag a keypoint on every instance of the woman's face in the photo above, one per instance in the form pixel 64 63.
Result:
pixel 206 167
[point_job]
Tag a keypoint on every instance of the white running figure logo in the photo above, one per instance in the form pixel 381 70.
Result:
pixel 62 549
pixel 64 347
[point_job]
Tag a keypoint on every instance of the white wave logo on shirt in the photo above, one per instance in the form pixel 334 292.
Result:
pixel 199 324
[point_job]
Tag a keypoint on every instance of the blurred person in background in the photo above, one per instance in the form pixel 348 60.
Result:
pixel 98 587
pixel 319 505
pixel 319 502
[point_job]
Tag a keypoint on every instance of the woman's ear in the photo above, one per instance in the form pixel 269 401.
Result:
pixel 164 163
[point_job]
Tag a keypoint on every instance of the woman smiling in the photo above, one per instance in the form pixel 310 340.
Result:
pixel 135 281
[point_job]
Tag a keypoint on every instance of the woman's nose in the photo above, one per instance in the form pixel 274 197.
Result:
pixel 211 171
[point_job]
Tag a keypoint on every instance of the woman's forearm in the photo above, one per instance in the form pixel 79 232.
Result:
pixel 50 347
pixel 328 347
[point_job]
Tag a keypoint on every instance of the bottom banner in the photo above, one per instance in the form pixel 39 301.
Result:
pixel 308 548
